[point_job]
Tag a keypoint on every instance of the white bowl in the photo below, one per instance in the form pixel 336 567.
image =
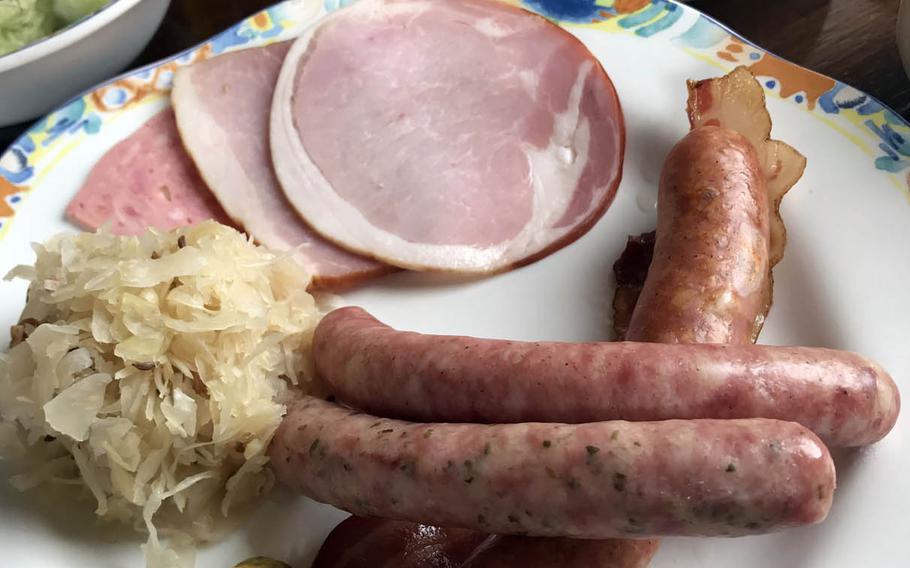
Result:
pixel 38 77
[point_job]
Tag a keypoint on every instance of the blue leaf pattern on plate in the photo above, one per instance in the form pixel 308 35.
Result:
pixel 332 5
pixel 566 10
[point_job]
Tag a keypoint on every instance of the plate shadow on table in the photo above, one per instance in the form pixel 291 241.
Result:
pixel 790 38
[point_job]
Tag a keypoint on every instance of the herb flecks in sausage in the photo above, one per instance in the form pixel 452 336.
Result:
pixel 408 467
pixel 469 472
pixel 619 481
pixel 582 486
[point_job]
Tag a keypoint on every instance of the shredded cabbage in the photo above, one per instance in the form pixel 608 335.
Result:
pixel 154 370
pixel 71 10
pixel 25 21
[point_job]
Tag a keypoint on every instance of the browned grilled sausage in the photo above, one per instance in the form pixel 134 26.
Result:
pixel 596 480
pixel 675 307
pixel 362 542
pixel 844 398
pixel 709 280
pixel 510 551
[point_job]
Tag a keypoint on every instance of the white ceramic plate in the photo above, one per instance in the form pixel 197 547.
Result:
pixel 843 282
pixel 37 77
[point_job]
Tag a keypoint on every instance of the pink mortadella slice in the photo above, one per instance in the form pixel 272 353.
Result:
pixel 464 135
pixel 222 106
pixel 145 181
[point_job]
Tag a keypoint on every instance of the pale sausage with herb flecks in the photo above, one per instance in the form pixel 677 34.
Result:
pixel 597 480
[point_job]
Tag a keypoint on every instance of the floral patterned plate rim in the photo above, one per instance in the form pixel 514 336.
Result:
pixel 858 116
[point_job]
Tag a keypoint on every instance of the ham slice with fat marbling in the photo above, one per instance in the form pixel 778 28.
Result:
pixel 146 180
pixel 222 106
pixel 464 135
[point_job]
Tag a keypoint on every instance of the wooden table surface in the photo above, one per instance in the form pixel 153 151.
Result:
pixel 850 40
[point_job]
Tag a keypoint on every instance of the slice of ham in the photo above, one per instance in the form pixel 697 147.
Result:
pixel 222 106
pixel 146 180
pixel 464 135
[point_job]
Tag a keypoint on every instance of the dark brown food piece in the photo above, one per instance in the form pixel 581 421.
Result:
pixel 630 270
pixel 513 551
pixel 361 542
pixel 20 332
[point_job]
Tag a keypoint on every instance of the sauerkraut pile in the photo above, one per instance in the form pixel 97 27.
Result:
pixel 154 370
